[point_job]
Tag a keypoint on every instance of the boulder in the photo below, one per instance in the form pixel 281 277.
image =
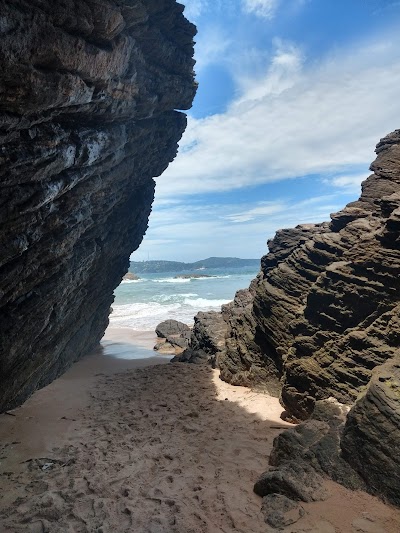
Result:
pixel 371 437
pixel 172 327
pixel 207 340
pixel 130 276
pixel 174 335
pixel 280 511
pixel 298 482
pixel 316 443
pixel 179 341
pixel 208 332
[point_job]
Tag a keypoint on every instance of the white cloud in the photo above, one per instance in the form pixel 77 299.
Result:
pixel 285 66
pixel 291 119
pixel 190 234
pixel 211 47
pixel 261 210
pixel 261 8
pixel 350 183
pixel 194 8
pixel 297 120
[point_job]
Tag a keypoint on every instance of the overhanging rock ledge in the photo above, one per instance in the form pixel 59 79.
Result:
pixel 88 92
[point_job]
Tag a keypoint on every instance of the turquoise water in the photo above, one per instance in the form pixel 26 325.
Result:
pixel 141 305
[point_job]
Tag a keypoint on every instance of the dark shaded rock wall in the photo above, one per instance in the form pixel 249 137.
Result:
pixel 88 92
pixel 371 437
pixel 326 303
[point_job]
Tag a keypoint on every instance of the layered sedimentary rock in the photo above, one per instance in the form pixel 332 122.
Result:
pixel 326 303
pixel 359 449
pixel 321 322
pixel 88 92
pixel 371 437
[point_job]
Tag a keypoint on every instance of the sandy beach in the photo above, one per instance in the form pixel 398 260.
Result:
pixel 126 442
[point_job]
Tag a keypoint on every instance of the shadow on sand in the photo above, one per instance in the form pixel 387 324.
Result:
pixel 128 447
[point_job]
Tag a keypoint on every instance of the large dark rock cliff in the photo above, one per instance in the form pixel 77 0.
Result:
pixel 88 92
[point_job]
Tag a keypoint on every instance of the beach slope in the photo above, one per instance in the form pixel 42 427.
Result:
pixel 142 445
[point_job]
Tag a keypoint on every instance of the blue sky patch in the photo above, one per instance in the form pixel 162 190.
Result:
pixel 293 97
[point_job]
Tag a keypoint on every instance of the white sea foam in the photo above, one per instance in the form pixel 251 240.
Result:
pixel 172 280
pixel 142 316
pixel 158 297
pixel 133 280
pixel 203 303
pixel 145 316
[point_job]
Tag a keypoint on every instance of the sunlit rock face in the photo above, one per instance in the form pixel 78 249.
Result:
pixel 88 92
pixel 325 306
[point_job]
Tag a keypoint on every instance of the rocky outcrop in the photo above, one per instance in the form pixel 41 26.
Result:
pixel 325 306
pixel 358 449
pixel 87 97
pixel 322 314
pixel 129 276
pixel 174 337
pixel 303 457
pixel 371 435
pixel 245 360
pixel 208 333
pixel 207 340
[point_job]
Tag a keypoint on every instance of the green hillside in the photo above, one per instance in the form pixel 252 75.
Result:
pixel 140 267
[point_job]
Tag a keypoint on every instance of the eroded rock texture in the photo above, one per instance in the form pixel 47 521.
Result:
pixel 371 439
pixel 326 304
pixel 321 323
pixel 87 97
pixel 206 344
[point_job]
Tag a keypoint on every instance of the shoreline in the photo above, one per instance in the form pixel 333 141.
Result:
pixel 126 343
pixel 141 445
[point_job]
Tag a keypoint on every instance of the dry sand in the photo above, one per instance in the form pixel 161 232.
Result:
pixel 137 445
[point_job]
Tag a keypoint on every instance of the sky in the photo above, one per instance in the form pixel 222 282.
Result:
pixel 293 97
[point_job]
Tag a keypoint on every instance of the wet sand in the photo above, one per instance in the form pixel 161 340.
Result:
pixel 138 445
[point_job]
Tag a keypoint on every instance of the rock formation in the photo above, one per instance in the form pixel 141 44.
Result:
pixel 88 92
pixel 324 310
pixel 207 340
pixel 322 314
pixel 174 337
pixel 371 438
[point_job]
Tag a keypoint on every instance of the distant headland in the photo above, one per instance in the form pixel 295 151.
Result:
pixel 141 267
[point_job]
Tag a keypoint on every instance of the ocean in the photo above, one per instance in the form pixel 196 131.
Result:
pixel 141 304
